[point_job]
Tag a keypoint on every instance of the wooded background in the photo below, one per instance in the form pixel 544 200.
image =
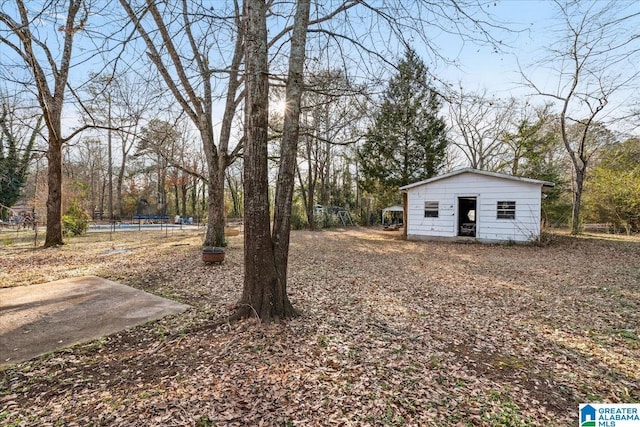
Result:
pixel 134 107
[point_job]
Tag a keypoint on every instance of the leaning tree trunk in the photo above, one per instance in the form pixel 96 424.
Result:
pixel 54 197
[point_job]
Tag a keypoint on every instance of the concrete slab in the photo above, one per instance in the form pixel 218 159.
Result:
pixel 41 318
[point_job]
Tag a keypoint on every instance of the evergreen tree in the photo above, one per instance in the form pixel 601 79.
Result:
pixel 14 160
pixel 407 142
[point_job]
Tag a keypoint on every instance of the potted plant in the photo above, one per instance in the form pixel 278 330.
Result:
pixel 212 254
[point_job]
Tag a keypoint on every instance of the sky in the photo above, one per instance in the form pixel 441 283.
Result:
pixel 481 67
pixel 540 29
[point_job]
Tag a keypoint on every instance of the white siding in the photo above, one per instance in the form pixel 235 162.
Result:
pixel 488 191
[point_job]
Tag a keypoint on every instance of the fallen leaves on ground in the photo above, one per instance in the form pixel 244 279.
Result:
pixel 391 333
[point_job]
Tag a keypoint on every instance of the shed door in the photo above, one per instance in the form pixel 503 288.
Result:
pixel 467 216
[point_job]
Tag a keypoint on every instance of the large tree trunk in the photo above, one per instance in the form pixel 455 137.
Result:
pixel 215 189
pixel 258 295
pixel 215 215
pixel 198 105
pixel 265 293
pixel 289 147
pixel 220 160
pixel 54 197
pixel 50 101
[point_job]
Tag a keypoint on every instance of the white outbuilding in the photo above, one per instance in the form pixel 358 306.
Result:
pixel 472 203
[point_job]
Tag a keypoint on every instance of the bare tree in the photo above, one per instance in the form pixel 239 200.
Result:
pixel 479 125
pixel 595 59
pixel 528 137
pixel 266 251
pixel 128 100
pixel 331 123
pixel 160 141
pixel 186 70
pixel 266 255
pixel 135 101
pixel 47 73
pixel 88 163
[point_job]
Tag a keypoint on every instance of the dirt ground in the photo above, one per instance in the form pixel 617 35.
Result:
pixel 392 333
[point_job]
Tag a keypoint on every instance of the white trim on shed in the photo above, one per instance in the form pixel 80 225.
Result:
pixel 487 206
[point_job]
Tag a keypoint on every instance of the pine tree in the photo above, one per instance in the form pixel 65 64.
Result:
pixel 407 142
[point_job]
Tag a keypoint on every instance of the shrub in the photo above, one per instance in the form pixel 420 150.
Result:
pixel 298 217
pixel 75 221
pixel 298 222
pixel 326 220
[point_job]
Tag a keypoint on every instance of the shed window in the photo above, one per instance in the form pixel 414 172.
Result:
pixel 507 210
pixel 431 209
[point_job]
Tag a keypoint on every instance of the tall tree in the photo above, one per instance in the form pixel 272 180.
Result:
pixel 100 90
pixel 408 140
pixel 179 38
pixel 48 76
pixel 529 141
pixel 159 141
pixel 535 151
pixel 331 124
pixel 479 124
pixel 266 255
pixel 266 251
pixel 594 60
pixel 88 166
pixel 117 104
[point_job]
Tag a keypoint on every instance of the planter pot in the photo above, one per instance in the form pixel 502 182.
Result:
pixel 212 254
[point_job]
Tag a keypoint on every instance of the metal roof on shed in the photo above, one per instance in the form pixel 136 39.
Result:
pixel 478 172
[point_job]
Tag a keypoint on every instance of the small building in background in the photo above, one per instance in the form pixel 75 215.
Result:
pixel 475 204
pixel 393 215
